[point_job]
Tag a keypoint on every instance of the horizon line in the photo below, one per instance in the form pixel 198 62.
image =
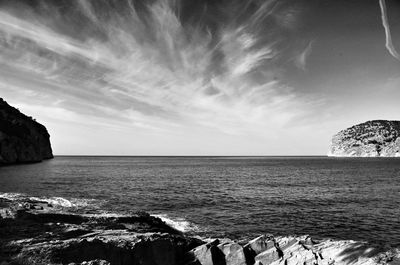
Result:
pixel 88 155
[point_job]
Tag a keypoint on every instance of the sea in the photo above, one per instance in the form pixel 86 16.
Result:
pixel 236 197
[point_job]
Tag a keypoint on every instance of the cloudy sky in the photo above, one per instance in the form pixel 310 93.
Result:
pixel 200 77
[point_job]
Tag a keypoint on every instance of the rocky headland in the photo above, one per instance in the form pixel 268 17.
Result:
pixel 378 138
pixel 36 232
pixel 22 139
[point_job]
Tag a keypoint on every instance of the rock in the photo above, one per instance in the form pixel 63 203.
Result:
pixel 22 139
pixel 32 236
pixel 395 261
pixel 268 256
pixel 309 259
pixel 301 256
pixel 378 138
pixel 257 246
pixel 92 262
pixel 123 247
pixel 260 244
pixel 287 242
pixel 234 253
pixel 74 232
pixel 207 254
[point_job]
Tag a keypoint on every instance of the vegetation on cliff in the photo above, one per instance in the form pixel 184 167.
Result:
pixel 369 139
pixel 22 139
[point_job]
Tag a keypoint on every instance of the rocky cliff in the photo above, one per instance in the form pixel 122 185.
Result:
pixel 378 138
pixel 22 139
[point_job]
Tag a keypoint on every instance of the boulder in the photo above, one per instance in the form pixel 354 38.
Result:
pixel 207 254
pixel 268 256
pixel 301 257
pixel 287 242
pixel 234 253
pixel 260 244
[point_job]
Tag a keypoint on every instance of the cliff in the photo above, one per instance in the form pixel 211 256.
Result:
pixel 22 139
pixel 378 138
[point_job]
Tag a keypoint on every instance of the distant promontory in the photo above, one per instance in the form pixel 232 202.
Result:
pixel 377 138
pixel 22 139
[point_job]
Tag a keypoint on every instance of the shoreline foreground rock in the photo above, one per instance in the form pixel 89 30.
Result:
pixel 35 232
pixel 377 138
pixel 22 139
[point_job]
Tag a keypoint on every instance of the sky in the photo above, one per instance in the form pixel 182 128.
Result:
pixel 200 77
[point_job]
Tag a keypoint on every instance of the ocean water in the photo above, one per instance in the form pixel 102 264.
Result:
pixel 236 197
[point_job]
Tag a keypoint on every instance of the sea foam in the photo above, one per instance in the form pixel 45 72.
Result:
pixel 179 224
pixel 54 201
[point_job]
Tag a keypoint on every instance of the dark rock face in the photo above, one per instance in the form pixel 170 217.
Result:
pixel 35 233
pixel 22 139
pixel 378 138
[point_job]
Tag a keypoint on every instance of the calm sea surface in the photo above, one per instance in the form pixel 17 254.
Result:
pixel 238 197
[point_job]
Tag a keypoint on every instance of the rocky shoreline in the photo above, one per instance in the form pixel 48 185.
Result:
pixel 36 232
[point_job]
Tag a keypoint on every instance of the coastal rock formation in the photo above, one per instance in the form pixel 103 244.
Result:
pixel 378 138
pixel 22 139
pixel 34 232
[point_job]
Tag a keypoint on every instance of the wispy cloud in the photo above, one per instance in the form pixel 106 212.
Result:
pixel 143 66
pixel 385 23
pixel 301 59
